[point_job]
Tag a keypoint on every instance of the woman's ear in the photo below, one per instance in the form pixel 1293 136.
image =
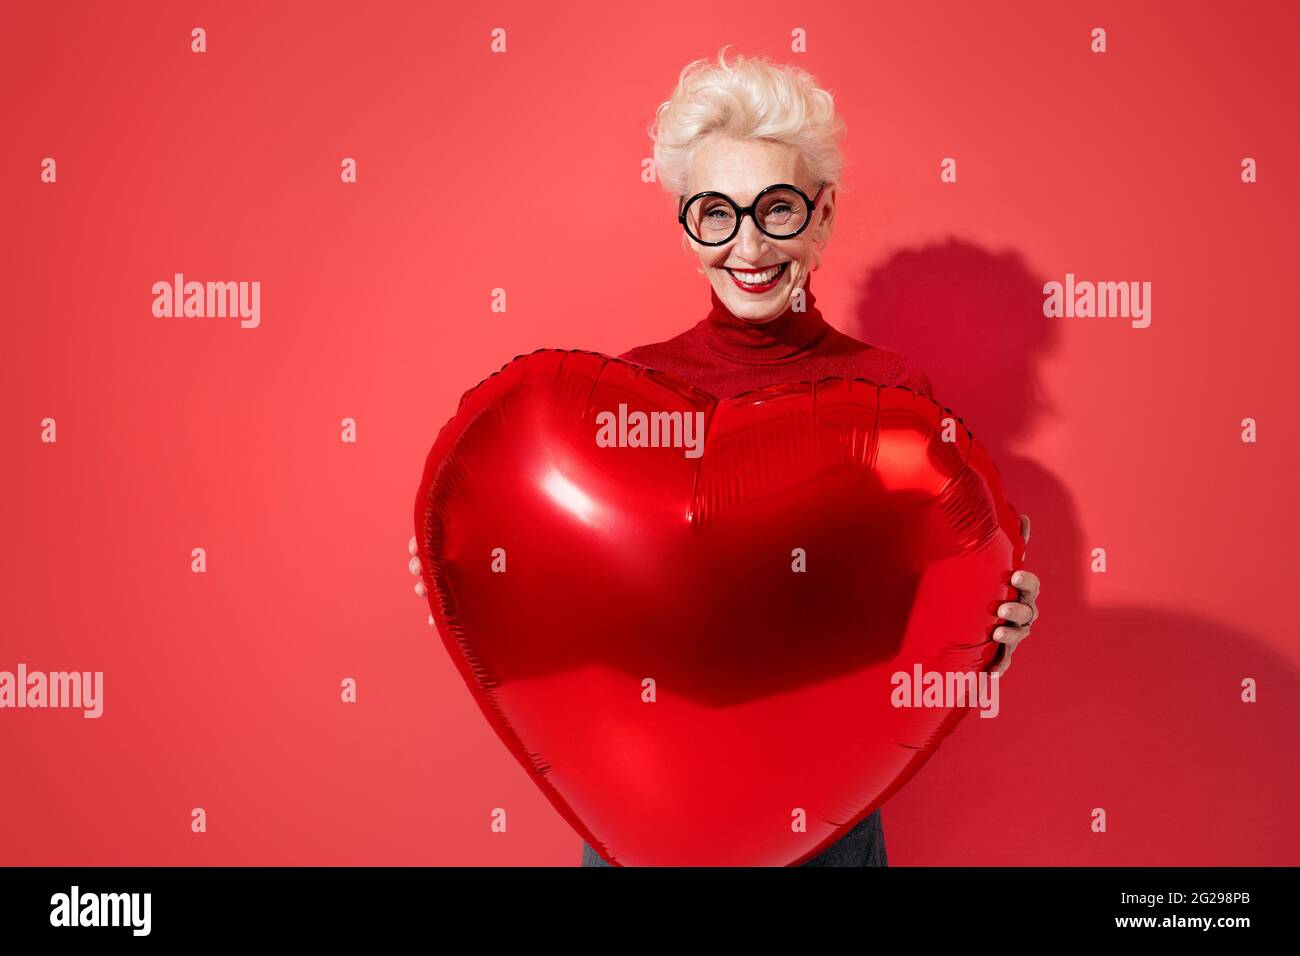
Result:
pixel 825 224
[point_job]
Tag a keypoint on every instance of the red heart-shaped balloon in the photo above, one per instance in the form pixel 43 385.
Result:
pixel 710 650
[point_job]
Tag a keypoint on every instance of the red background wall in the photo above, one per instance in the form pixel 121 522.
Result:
pixel 222 689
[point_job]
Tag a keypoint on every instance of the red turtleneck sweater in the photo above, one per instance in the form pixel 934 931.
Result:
pixel 725 355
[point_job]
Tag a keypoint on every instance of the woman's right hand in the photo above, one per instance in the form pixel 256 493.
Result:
pixel 415 569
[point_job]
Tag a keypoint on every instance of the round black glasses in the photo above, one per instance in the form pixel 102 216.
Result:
pixel 781 211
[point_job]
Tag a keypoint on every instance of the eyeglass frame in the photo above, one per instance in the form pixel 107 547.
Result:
pixel 741 212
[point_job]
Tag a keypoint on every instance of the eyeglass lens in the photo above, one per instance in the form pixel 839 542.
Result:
pixel 782 212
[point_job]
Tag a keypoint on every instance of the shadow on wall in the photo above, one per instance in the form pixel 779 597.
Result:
pixel 1132 709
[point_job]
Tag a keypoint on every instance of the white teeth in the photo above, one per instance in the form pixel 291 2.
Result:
pixel 757 278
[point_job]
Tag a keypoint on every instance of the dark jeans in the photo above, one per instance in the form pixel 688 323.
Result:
pixel 864 845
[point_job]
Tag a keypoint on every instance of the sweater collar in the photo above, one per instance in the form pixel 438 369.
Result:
pixel 783 339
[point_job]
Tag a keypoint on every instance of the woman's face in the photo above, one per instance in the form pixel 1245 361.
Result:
pixel 741 169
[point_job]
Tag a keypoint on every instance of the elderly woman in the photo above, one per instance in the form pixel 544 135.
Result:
pixel 750 150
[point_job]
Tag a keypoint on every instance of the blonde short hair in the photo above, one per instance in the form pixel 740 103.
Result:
pixel 750 98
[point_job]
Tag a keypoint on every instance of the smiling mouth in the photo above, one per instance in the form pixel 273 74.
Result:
pixel 757 278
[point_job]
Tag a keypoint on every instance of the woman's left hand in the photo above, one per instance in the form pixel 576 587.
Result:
pixel 1022 615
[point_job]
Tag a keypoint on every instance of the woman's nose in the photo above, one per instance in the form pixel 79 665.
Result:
pixel 750 241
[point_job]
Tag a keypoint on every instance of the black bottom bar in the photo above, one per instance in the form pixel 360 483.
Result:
pixel 456 907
